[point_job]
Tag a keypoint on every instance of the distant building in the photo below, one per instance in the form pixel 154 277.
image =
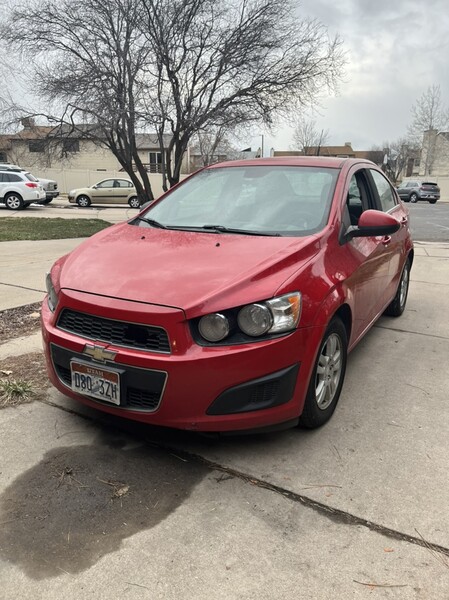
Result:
pixel 345 151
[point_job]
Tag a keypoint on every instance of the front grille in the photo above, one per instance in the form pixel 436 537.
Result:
pixel 119 333
pixel 141 389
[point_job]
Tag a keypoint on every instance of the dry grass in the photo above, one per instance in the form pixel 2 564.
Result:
pixel 22 379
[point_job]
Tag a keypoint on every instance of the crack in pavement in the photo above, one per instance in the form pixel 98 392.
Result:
pixel 432 335
pixel 336 515
pixel 22 287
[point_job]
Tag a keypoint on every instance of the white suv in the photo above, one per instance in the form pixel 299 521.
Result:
pixel 18 189
pixel 50 186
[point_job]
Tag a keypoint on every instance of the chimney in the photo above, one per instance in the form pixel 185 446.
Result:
pixel 348 144
pixel 28 122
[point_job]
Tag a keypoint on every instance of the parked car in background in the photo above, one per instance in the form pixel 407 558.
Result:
pixel 50 186
pixel 231 302
pixel 19 189
pixel 108 191
pixel 415 190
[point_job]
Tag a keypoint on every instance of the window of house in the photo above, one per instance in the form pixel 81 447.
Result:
pixel 70 145
pixel 155 161
pixel 36 145
pixel 3 157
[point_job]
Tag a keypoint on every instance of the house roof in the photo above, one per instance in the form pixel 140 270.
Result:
pixel 38 132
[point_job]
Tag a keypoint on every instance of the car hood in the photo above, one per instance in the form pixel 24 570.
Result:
pixel 196 272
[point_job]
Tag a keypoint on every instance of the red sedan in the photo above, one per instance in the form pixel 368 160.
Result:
pixel 231 302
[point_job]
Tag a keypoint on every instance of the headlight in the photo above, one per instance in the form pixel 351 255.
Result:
pixel 214 327
pixel 52 295
pixel 279 315
pixel 255 319
pixel 286 311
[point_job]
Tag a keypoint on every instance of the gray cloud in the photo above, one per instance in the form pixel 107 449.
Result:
pixel 396 49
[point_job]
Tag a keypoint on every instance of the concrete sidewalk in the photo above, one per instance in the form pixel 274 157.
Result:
pixel 96 507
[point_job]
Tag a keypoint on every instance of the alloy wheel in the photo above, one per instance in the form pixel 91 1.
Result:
pixel 328 371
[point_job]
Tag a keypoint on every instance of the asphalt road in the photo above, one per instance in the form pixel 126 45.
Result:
pixel 429 222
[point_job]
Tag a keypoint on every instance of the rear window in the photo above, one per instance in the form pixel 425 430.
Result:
pixel 30 177
pixel 429 183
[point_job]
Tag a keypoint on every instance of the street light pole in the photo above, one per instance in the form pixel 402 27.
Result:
pixel 262 147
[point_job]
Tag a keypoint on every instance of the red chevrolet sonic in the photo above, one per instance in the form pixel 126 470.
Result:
pixel 232 301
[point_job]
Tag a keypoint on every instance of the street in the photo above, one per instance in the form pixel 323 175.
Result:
pixel 429 222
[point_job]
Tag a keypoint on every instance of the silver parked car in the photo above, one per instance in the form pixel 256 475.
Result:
pixel 414 190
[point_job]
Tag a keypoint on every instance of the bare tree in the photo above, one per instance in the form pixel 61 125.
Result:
pixel 400 157
pixel 233 62
pixel 178 66
pixel 88 62
pixel 213 144
pixel 306 135
pixel 429 114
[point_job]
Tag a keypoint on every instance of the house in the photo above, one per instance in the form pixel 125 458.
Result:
pixel 47 147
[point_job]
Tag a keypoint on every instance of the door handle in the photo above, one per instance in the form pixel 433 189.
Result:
pixel 386 240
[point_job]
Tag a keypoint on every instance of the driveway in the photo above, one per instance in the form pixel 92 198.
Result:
pixel 97 507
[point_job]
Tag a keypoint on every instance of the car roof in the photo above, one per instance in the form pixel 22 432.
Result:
pixel 295 161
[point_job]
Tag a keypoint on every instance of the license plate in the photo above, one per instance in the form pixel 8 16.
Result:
pixel 97 382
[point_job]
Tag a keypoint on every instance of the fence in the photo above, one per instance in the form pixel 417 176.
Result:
pixel 69 179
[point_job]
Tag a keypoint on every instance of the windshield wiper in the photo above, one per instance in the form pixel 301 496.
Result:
pixel 151 222
pixel 223 229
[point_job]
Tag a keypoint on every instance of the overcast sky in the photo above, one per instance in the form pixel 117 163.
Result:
pixel 396 49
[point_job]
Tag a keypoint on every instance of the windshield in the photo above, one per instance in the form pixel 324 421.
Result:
pixel 292 201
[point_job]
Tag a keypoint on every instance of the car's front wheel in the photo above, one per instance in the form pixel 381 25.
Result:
pixel 327 376
pixel 413 197
pixel 134 202
pixel 47 201
pixel 83 201
pixel 397 305
pixel 14 201
pixel 432 201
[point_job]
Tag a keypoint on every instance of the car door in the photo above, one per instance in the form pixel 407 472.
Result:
pixel 121 191
pixel 367 268
pixel 104 192
pixel 394 244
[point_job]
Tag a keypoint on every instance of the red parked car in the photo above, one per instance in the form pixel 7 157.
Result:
pixel 232 301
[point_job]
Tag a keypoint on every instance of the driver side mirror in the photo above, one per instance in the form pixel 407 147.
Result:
pixel 372 223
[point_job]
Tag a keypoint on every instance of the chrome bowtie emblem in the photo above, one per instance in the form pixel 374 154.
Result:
pixel 99 352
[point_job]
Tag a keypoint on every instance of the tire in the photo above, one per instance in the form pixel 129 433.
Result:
pixel 83 201
pixel 26 204
pixel 134 202
pixel 327 377
pixel 413 197
pixel 47 201
pixel 14 201
pixel 397 305
pixel 432 201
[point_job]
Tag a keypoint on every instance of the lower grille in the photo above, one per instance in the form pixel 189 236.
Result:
pixel 141 389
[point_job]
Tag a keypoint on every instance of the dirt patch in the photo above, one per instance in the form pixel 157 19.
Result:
pixel 16 322
pixel 29 368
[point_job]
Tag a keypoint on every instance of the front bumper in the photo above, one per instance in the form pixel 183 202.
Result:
pixel 223 388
